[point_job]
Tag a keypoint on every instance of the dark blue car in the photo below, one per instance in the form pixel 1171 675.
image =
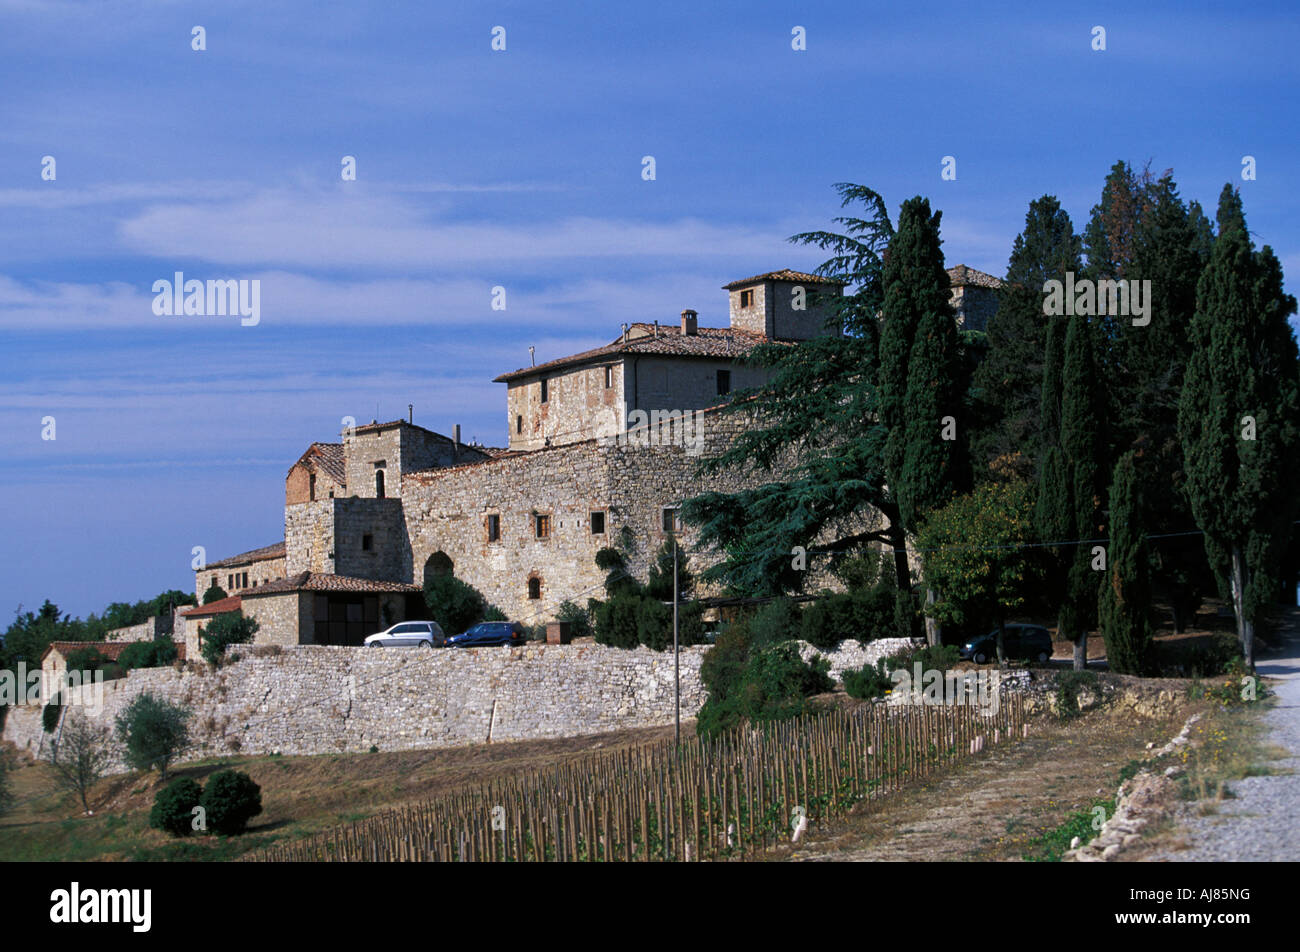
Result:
pixel 488 633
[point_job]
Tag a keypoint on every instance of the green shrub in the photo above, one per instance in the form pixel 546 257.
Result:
pixel 215 593
pixel 867 682
pixel 173 807
pixel 50 714
pixel 828 621
pixel 89 658
pixel 153 731
pixel 654 624
pixel 1199 658
pixel 777 621
pixel 1068 686
pixel 579 619
pixel 617 621
pixel 453 604
pixel 231 800
pixel 748 683
pixel 228 628
pixel 147 654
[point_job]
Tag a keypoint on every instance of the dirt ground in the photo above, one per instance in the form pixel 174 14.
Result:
pixel 991 807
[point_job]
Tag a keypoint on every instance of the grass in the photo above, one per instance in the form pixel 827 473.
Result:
pixel 1050 847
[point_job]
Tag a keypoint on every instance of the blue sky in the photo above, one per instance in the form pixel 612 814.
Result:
pixel 521 169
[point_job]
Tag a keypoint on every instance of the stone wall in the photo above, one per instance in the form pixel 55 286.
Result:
pixel 317 700
pixel 309 537
pixel 974 306
pixel 230 577
pixel 575 400
pixel 388 557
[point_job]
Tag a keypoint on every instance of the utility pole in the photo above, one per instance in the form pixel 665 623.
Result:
pixel 677 676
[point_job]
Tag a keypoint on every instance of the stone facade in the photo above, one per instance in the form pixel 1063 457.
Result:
pixel 781 305
pixel 317 700
pixel 241 572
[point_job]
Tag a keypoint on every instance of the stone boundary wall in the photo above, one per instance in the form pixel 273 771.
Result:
pixel 313 699
pixel 853 654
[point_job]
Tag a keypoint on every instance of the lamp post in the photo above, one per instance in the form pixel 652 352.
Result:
pixel 677 678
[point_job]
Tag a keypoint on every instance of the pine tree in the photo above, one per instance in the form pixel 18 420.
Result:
pixel 1124 606
pixel 1008 385
pixel 1239 417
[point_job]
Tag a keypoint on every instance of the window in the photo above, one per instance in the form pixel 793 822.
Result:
pixel 542 525
pixel 494 528
pixel 311 487
pixel 534 588
pixel 519 424
pixel 214 582
pixel 367 543
pixel 609 377
pixel 230 581
pixel 546 392
pixel 379 484
pixel 672 519
pixel 244 581
pixel 724 382
pixel 747 298
pixel 597 523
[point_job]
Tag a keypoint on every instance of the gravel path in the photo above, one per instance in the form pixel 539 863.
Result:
pixel 1259 824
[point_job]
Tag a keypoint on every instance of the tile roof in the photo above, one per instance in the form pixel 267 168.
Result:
pixel 963 276
pixel 321 582
pixel 328 457
pixel 109 649
pixel 715 342
pixel 275 551
pixel 785 274
pixel 222 605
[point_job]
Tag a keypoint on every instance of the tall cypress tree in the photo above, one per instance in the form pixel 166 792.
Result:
pixel 1083 464
pixel 1124 606
pixel 1009 383
pixel 1239 417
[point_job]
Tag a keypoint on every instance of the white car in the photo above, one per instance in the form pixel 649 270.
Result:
pixel 426 634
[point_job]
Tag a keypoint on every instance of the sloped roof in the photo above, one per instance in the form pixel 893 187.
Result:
pixel 963 276
pixel 222 605
pixel 321 582
pixel 726 343
pixel 328 458
pixel 275 551
pixel 785 274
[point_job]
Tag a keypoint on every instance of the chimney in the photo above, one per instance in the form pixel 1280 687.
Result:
pixel 410 413
pixel 656 328
pixel 690 323
pixel 625 333
pixel 532 356
pixel 455 434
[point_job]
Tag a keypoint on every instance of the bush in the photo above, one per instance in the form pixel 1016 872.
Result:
pixel 231 800
pixel 453 604
pixel 153 731
pixel 87 659
pixel 756 683
pixel 654 624
pixel 215 593
pixel 867 682
pixel 173 807
pixel 1196 658
pixel 50 715
pixel 616 621
pixel 230 628
pixel 1068 686
pixel 579 619
pixel 147 654
pixel 777 621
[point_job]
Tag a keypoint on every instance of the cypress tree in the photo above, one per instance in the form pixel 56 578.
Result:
pixel 1009 383
pixel 1239 417
pixel 1124 605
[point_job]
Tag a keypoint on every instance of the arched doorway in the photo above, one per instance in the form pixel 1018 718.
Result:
pixel 438 565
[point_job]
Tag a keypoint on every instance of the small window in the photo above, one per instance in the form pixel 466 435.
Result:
pixel 542 526
pixel 214 582
pixel 747 298
pixel 546 391
pixel 672 520
pixel 494 528
pixel 597 523
pixel 379 484
pixel 609 377
pixel 244 581
pixel 311 487
pixel 367 543
pixel 519 424
pixel 230 581
pixel 534 588
pixel 724 382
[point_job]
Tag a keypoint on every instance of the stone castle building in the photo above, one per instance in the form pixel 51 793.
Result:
pixel 603 446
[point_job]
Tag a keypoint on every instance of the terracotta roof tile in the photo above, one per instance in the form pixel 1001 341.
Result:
pixel 222 605
pixel 275 551
pixel 321 582
pixel 963 276
pixel 714 342
pixel 785 274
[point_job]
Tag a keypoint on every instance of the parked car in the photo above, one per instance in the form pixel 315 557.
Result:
pixel 487 633
pixel 425 634
pixel 1020 641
